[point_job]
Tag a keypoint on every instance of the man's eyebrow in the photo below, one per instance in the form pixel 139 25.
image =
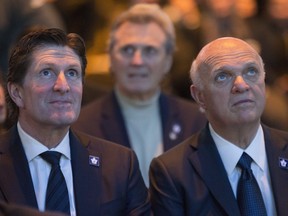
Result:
pixel 246 64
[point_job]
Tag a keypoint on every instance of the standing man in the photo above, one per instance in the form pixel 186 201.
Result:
pixel 208 173
pixel 137 113
pixel 96 177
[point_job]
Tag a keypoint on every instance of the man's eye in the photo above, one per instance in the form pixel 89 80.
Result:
pixel 128 50
pixel 74 74
pixel 150 51
pixel 251 72
pixel 46 73
pixel 222 77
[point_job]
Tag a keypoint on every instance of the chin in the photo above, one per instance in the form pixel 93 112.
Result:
pixel 248 120
pixel 64 119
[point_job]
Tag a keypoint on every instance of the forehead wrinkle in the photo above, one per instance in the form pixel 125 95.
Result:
pixel 55 50
pixel 222 60
pixel 57 53
pixel 231 57
pixel 226 45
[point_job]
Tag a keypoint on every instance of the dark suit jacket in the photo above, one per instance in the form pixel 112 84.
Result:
pixel 115 187
pixel 17 210
pixel 190 179
pixel 103 118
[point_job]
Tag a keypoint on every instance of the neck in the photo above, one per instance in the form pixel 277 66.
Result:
pixel 137 99
pixel 137 95
pixel 240 135
pixel 47 135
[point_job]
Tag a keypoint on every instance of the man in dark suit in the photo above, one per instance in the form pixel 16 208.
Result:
pixel 137 113
pixel 202 175
pixel 96 177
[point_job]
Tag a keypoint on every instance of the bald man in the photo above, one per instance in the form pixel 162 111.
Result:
pixel 204 175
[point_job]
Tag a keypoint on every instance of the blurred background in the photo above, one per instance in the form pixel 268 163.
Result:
pixel 262 23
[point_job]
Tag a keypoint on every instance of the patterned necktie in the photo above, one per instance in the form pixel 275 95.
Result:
pixel 249 196
pixel 57 198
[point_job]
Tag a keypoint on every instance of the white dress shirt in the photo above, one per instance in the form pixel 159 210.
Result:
pixel 40 169
pixel 230 155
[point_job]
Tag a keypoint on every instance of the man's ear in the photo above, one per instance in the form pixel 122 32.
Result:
pixel 168 63
pixel 15 93
pixel 198 97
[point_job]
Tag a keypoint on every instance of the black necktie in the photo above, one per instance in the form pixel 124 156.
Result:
pixel 249 196
pixel 57 198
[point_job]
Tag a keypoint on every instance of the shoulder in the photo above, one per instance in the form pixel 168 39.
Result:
pixel 275 135
pixel 102 146
pixel 180 153
pixel 7 138
pixel 98 103
pixel 173 165
pixel 93 111
pixel 178 158
pixel 181 105
pixel 176 100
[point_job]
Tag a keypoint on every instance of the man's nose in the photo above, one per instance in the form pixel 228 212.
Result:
pixel 240 85
pixel 137 58
pixel 61 83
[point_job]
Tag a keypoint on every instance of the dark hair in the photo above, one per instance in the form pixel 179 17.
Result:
pixel 21 56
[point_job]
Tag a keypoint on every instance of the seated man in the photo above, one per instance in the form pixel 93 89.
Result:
pixel 236 165
pixel 46 165
pixel 137 114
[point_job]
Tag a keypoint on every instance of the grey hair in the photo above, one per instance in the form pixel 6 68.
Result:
pixel 142 14
pixel 194 76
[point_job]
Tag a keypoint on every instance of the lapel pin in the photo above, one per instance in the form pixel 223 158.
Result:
pixel 176 129
pixel 283 163
pixel 94 161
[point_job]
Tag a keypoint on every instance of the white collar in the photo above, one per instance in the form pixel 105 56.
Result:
pixel 230 153
pixel 33 148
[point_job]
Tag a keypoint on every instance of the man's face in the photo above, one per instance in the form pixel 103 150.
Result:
pixel 52 89
pixel 234 87
pixel 138 59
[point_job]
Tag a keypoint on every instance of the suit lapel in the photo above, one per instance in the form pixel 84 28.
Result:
pixel 112 122
pixel 276 148
pixel 16 182
pixel 170 123
pixel 206 160
pixel 86 178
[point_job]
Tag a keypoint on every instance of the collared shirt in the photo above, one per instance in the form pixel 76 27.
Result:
pixel 40 169
pixel 144 128
pixel 230 155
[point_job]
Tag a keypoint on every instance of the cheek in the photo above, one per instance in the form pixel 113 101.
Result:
pixel 117 62
pixel 32 103
pixel 262 96
pixel 215 100
pixel 157 69
pixel 118 69
pixel 259 90
pixel 34 95
pixel 263 89
pixel 78 92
